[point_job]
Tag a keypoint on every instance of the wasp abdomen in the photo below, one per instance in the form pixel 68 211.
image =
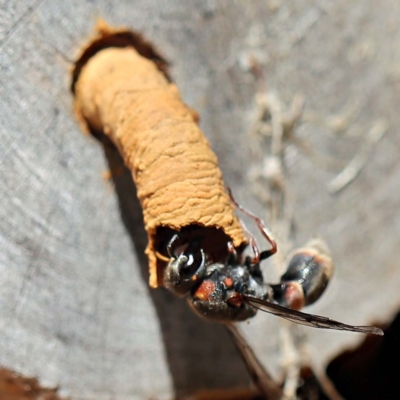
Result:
pixel 307 276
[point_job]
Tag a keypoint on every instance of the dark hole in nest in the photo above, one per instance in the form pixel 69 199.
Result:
pixel 108 37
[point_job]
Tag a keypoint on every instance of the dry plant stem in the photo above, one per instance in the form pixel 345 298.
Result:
pixel 322 160
pixel 338 123
pixel 282 221
pixel 224 394
pixel 326 384
pixel 341 124
pixel 261 107
pixel 281 202
pixel 292 362
pixel 294 353
pixel 260 376
pixel 350 172
pixel 175 171
pixel 328 387
pixel 293 116
pixel 281 210
pixel 275 108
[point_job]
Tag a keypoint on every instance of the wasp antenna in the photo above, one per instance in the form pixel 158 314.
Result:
pixel 161 257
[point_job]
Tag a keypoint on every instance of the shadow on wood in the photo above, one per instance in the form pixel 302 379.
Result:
pixel 369 371
pixel 199 353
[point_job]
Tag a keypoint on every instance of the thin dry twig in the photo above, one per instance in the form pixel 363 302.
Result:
pixel 354 167
pixel 277 125
pixel 280 131
pixel 292 362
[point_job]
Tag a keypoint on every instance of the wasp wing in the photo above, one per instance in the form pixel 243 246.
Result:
pixel 315 321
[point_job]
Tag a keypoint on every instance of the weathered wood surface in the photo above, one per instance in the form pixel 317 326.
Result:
pixel 75 307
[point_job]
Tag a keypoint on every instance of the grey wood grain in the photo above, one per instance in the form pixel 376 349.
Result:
pixel 76 310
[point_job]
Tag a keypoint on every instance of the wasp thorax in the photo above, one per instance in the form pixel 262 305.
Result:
pixel 220 295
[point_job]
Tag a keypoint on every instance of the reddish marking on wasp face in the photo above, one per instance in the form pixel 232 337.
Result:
pixel 294 296
pixel 235 299
pixel 228 282
pixel 205 291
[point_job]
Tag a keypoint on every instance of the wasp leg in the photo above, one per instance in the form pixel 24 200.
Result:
pixel 232 253
pixel 263 229
pixel 261 377
pixel 253 243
